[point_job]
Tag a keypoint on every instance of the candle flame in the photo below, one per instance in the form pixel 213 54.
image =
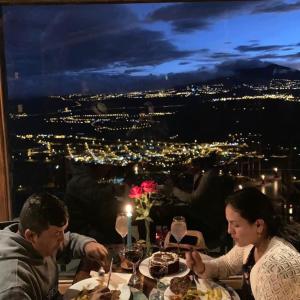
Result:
pixel 128 209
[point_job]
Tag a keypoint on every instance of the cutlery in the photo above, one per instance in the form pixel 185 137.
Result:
pixel 101 271
pixel 109 273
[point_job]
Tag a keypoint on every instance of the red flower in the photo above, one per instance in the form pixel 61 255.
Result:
pixel 149 186
pixel 135 192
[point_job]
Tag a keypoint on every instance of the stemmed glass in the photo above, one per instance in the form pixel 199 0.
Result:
pixel 178 229
pixel 134 254
pixel 157 269
pixel 122 227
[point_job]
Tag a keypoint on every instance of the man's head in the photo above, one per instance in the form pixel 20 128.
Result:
pixel 43 220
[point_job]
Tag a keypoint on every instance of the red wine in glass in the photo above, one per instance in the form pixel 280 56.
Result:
pixel 133 255
pixel 158 271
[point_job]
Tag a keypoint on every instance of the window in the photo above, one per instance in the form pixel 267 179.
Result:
pixel 140 90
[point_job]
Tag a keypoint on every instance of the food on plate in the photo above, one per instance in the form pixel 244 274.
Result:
pixel 171 258
pixel 180 285
pixel 98 293
pixel 182 289
pixel 126 264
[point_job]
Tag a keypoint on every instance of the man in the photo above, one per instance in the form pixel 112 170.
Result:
pixel 28 250
pixel 93 207
pixel 207 200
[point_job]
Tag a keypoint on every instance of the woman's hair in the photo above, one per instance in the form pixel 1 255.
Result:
pixel 252 204
pixel 40 211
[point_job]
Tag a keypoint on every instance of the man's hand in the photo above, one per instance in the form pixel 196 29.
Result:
pixel 96 251
pixel 194 261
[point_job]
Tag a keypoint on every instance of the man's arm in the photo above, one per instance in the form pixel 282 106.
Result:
pixel 75 243
pixel 15 293
pixel 199 190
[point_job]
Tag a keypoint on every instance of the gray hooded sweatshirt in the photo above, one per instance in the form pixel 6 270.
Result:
pixel 24 273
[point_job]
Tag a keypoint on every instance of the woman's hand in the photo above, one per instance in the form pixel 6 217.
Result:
pixel 194 262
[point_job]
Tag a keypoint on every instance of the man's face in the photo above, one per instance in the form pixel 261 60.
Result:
pixel 48 242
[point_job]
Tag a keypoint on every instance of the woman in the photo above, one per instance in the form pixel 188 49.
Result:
pixel 264 250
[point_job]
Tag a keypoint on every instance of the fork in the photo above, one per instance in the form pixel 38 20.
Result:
pixel 193 280
pixel 110 270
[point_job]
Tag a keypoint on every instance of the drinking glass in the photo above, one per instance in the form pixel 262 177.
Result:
pixel 157 270
pixel 122 227
pixel 134 254
pixel 178 229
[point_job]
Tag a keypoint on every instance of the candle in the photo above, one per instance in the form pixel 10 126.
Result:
pixel 128 209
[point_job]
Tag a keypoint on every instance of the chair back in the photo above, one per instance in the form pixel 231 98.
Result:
pixel 199 244
pixel 4 224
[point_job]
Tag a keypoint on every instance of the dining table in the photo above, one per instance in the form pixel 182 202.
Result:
pixel 88 267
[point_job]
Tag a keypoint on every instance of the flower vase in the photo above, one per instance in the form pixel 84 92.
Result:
pixel 148 241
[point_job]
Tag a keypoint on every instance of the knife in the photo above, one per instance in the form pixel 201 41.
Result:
pixel 109 273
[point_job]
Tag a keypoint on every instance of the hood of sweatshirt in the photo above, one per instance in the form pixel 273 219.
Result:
pixel 23 270
pixel 14 246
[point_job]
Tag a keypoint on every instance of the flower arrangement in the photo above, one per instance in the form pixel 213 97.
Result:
pixel 142 200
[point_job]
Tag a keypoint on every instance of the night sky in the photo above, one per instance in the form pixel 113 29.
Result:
pixel 54 50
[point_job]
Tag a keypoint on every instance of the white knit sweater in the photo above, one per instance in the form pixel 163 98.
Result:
pixel 275 276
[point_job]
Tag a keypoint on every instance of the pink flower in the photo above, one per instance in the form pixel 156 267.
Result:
pixel 149 186
pixel 135 192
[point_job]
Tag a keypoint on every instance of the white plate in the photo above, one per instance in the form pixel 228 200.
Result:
pixel 91 283
pixel 183 270
pixel 203 286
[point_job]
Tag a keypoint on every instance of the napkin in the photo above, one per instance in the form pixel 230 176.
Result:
pixel 116 278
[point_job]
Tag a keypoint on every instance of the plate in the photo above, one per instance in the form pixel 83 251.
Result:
pixel 183 270
pixel 204 285
pixel 91 283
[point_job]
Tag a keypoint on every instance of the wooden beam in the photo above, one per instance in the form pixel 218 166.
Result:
pixel 30 2
pixel 5 204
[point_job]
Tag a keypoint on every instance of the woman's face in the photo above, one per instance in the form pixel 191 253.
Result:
pixel 241 231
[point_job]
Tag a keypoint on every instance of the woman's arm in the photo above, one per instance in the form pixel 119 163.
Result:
pixel 222 267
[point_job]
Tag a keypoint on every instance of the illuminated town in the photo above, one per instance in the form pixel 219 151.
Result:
pixel 125 132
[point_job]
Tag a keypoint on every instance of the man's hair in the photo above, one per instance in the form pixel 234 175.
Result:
pixel 42 210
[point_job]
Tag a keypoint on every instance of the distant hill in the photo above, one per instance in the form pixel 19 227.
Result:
pixel 261 74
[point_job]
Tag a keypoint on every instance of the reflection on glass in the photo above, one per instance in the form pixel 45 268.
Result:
pixel 178 229
pixel 122 226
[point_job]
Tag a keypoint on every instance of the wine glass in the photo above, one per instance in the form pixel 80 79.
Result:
pixel 122 226
pixel 134 254
pixel 157 269
pixel 178 229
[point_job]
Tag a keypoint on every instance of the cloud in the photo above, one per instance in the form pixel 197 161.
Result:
pixel 295 55
pixel 255 47
pixel 98 83
pixel 277 7
pixel 188 25
pixel 223 55
pixel 82 37
pixel 132 71
pixel 235 65
pixel 182 63
pixel 276 56
pixel 187 17
pixel 129 48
